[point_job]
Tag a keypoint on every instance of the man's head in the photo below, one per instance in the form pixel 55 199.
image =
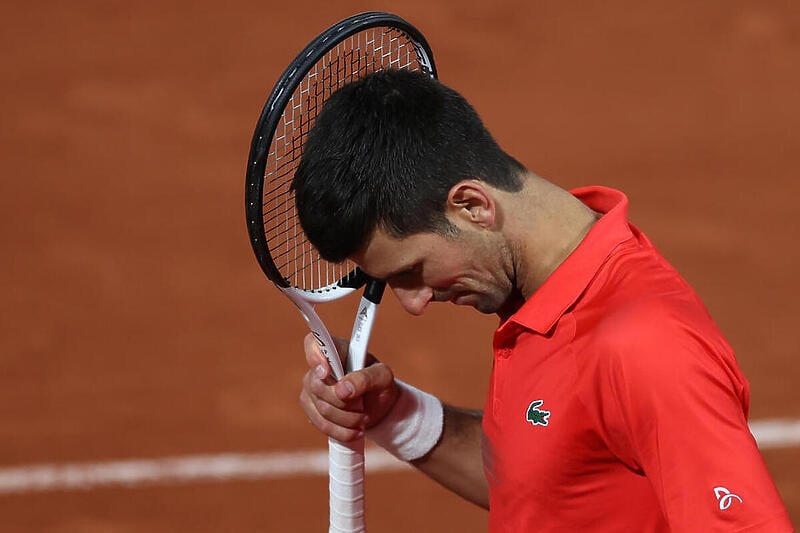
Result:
pixel 384 153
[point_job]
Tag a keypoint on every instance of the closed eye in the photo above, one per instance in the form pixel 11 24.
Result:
pixel 405 276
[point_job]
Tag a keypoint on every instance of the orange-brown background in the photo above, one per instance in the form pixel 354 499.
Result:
pixel 136 324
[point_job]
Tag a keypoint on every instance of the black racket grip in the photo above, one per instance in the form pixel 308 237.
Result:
pixel 374 290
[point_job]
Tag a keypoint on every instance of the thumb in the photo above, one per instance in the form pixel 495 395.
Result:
pixel 372 379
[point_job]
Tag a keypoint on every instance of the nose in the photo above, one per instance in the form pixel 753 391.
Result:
pixel 413 300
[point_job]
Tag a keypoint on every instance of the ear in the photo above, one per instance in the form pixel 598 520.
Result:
pixel 472 202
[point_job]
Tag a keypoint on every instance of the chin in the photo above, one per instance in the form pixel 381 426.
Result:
pixel 480 303
pixel 487 308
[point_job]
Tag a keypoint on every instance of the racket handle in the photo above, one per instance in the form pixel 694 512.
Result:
pixel 346 475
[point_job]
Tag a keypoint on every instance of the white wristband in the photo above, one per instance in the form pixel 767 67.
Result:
pixel 413 426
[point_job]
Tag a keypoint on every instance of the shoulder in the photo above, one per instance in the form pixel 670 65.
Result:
pixel 650 331
pixel 638 303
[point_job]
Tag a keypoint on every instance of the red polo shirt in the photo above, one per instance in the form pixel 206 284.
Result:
pixel 615 404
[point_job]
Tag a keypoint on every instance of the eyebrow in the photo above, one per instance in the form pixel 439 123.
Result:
pixel 391 274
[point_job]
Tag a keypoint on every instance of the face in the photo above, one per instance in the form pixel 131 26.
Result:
pixel 465 269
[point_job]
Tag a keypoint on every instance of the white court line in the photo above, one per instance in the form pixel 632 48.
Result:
pixel 179 469
pixel 778 433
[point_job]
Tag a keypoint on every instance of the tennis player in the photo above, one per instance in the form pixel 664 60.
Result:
pixel 614 404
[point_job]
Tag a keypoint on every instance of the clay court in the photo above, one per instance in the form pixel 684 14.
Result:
pixel 137 326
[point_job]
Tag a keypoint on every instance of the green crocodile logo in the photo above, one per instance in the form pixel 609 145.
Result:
pixel 536 416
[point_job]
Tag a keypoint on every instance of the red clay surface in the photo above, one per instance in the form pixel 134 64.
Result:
pixel 136 323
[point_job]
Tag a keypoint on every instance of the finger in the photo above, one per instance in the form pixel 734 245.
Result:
pixel 323 391
pixel 346 418
pixel 314 356
pixel 374 378
pixel 337 432
pixel 316 360
pixel 339 424
pixel 348 415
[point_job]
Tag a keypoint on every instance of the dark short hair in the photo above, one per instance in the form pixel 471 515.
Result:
pixel 384 152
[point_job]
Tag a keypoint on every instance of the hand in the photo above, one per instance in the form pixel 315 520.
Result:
pixel 345 409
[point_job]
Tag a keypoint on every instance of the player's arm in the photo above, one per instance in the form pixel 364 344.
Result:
pixel 456 462
pixel 679 411
pixel 401 419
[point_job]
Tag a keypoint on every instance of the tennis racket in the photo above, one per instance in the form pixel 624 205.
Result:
pixel 350 49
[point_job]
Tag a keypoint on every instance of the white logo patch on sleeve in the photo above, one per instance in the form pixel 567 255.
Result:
pixel 725 497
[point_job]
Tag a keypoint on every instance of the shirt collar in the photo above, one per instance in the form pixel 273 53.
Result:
pixel 568 281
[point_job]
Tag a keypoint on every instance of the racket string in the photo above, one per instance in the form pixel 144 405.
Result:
pixel 364 52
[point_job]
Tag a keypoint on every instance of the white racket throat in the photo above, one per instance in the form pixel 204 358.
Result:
pixel 345 459
pixel 362 329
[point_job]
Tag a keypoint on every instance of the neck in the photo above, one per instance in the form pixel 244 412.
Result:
pixel 552 224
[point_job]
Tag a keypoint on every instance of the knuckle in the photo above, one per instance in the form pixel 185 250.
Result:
pixel 325 427
pixel 384 372
pixel 344 434
pixel 306 402
pixel 349 435
pixel 337 432
pixel 360 380
pixel 317 388
pixel 326 410
pixel 375 377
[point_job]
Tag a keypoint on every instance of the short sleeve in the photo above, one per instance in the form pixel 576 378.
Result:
pixel 679 401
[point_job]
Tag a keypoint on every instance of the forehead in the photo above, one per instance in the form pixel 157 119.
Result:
pixel 385 255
